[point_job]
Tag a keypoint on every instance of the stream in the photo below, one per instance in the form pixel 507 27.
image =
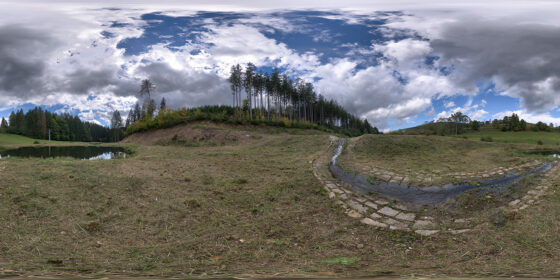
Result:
pixel 434 195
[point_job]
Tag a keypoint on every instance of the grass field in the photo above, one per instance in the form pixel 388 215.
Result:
pixel 434 156
pixel 253 208
pixel 529 137
pixel 12 140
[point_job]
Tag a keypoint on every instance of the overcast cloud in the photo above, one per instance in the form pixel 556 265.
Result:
pixel 416 65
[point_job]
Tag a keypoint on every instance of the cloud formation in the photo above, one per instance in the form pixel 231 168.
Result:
pixel 384 66
pixel 521 59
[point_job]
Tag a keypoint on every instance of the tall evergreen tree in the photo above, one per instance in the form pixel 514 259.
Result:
pixel 4 124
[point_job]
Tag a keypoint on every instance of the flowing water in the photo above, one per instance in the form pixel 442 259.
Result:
pixel 78 152
pixel 434 195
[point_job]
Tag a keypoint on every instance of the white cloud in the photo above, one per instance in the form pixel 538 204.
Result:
pixel 449 104
pixel 478 114
pixel 72 61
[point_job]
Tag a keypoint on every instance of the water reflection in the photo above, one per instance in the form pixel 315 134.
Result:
pixel 78 152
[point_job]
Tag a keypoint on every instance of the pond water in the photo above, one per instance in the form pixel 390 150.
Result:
pixel 434 195
pixel 78 152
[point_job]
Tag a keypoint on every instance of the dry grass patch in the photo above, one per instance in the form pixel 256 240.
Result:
pixel 431 156
pixel 242 209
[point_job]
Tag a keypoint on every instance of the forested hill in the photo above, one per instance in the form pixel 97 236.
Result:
pixel 37 122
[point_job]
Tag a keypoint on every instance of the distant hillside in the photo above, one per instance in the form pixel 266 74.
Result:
pixel 436 128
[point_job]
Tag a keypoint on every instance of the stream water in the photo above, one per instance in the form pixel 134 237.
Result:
pixel 433 195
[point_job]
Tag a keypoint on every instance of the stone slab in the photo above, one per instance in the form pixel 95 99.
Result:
pixel 406 216
pixel 371 222
pixel 388 211
pixel 425 232
pixel 422 225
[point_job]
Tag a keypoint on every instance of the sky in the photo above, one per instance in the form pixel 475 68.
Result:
pixel 397 63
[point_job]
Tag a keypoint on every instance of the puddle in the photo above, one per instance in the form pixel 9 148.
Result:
pixel 434 195
pixel 78 152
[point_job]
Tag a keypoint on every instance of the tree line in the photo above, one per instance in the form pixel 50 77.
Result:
pixel 38 123
pixel 275 96
pixel 273 99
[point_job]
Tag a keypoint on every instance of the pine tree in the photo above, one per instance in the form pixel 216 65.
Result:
pixel 4 124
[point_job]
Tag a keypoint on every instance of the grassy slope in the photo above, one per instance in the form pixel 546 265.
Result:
pixel 530 137
pixel 239 209
pixel 410 154
pixel 11 140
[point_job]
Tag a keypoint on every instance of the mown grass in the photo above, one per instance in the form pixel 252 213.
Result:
pixel 234 210
pixel 12 140
pixel 434 156
pixel 528 137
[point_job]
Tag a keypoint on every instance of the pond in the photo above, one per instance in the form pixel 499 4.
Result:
pixel 78 152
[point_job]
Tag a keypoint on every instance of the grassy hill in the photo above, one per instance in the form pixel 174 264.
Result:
pixel 245 207
pixel 547 138
pixel 529 137
pixel 12 140
pixel 410 154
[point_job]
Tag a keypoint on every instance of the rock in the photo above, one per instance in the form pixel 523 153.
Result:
pixel 337 190
pixel 371 222
pixel 360 199
pixel 406 216
pixel 459 231
pixel 387 211
pixel 515 202
pixel 385 177
pixel 357 206
pixel 391 222
pixel 395 225
pixel 331 195
pixel 425 232
pixel 460 221
pixel 360 246
pixel 382 201
pixel 498 218
pixel 353 214
pixel 375 216
pixel 422 225
pixel 401 207
pixel 399 227
pixel 371 205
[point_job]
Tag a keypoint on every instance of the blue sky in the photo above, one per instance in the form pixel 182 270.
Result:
pixel 398 66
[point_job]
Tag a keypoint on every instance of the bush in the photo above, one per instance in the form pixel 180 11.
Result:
pixel 487 139
pixel 539 142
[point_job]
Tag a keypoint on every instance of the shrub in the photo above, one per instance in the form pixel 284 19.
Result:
pixel 539 142
pixel 487 139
